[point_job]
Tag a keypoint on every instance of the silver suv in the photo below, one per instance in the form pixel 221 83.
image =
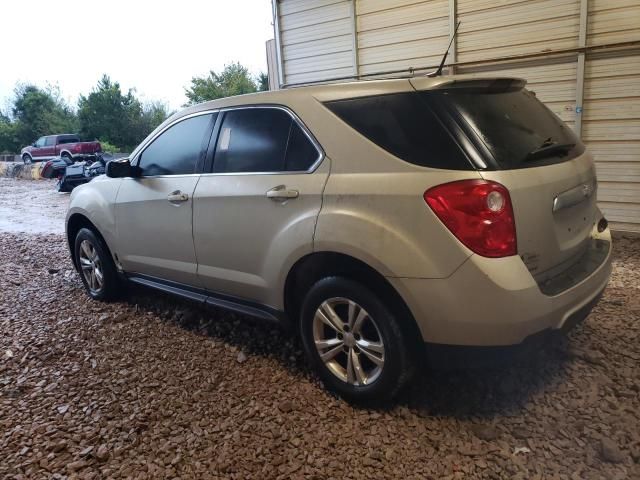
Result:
pixel 376 217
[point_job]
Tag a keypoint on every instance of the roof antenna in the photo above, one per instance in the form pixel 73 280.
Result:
pixel 438 72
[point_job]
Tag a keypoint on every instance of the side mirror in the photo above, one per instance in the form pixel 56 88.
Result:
pixel 122 168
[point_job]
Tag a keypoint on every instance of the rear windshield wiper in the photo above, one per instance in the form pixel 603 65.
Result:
pixel 548 149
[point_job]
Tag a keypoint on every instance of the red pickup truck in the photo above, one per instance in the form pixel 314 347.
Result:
pixel 67 146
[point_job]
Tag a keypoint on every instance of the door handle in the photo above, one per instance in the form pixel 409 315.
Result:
pixel 177 196
pixel 282 193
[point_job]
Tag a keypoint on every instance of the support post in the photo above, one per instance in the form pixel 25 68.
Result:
pixel 354 38
pixel 453 19
pixel 582 43
pixel 276 34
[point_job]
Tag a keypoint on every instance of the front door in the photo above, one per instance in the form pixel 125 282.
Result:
pixel 255 213
pixel 37 152
pixel 154 211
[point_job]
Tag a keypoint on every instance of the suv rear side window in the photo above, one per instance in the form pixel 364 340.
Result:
pixel 404 126
pixel 262 140
pixel 176 151
pixel 512 124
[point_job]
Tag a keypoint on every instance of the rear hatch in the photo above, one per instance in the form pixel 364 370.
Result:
pixel 513 139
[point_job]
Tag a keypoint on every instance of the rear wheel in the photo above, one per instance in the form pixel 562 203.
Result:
pixel 96 267
pixel 26 159
pixel 354 341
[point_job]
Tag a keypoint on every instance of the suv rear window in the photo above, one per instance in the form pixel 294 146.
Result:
pixel 499 127
pixel 404 126
pixel 510 125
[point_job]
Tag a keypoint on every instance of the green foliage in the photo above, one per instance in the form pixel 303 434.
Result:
pixel 233 80
pixel 38 112
pixel 263 82
pixel 8 136
pixel 109 114
pixel 153 114
pixel 116 118
pixel 108 147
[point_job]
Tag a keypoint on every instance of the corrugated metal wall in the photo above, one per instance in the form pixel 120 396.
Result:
pixel 316 39
pixel 492 29
pixel 399 34
pixel 553 82
pixel 579 56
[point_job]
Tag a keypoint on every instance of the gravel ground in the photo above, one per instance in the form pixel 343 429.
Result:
pixel 152 387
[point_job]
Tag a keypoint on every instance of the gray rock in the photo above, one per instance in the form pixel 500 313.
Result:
pixel 610 452
pixel 285 406
pixel 102 453
pixel 485 432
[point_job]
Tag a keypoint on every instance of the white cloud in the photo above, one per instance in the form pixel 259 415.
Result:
pixel 154 47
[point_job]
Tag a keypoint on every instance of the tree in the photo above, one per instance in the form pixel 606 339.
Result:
pixel 117 118
pixel 107 113
pixel 8 139
pixel 263 82
pixel 38 112
pixel 233 80
pixel 153 114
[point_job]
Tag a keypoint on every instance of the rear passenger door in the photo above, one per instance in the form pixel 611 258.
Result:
pixel 49 149
pixel 255 210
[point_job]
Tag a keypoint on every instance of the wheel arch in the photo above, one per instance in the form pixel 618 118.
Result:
pixel 75 223
pixel 317 265
pixel 62 152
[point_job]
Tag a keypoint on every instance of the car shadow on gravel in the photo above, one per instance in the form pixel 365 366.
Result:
pixel 501 384
pixel 244 333
pixel 485 391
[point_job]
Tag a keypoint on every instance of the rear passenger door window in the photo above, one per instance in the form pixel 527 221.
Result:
pixel 262 140
pixel 178 149
pixel 301 153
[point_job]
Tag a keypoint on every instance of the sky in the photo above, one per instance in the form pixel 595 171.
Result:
pixel 155 47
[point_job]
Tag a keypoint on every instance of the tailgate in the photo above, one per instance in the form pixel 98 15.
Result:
pixel 555 211
pixel 537 157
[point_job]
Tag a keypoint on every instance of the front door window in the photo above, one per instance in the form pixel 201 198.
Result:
pixel 177 150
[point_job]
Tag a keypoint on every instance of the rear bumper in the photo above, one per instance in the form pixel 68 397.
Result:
pixel 496 302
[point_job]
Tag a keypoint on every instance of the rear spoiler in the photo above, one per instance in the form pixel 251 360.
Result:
pixel 479 84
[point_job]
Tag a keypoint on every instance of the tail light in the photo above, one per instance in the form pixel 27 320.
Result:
pixel 478 213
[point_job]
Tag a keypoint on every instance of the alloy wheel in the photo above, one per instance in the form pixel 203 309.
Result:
pixel 91 266
pixel 348 341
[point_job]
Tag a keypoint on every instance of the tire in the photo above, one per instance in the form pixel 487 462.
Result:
pixel 62 187
pixel 26 159
pixel 67 158
pixel 93 258
pixel 383 371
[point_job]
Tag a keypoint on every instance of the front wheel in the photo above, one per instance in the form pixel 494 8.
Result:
pixel 26 159
pixel 354 341
pixel 96 267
